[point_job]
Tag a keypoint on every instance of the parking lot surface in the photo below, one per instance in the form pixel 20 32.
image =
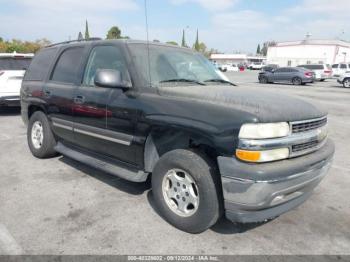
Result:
pixel 58 206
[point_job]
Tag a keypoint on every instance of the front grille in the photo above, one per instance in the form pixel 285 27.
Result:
pixel 304 146
pixel 308 125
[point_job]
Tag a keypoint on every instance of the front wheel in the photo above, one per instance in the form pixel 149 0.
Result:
pixel 40 138
pixel 263 80
pixel 186 190
pixel 346 83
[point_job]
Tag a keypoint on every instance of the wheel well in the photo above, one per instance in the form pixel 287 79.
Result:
pixel 32 109
pixel 157 145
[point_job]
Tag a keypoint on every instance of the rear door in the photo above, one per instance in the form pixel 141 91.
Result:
pixel 279 75
pixel 60 90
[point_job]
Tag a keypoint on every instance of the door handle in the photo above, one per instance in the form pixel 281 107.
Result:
pixel 79 99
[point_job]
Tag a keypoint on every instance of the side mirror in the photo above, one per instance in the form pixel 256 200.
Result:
pixel 109 78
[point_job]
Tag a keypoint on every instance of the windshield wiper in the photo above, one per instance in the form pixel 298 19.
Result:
pixel 218 80
pixel 182 80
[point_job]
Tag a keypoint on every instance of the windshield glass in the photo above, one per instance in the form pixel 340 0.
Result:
pixel 9 63
pixel 168 64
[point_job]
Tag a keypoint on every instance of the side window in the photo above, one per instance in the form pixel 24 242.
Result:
pixel 68 64
pixel 343 66
pixel 280 70
pixel 105 57
pixel 40 66
pixel 335 66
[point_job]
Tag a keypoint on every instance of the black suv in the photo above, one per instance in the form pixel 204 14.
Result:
pixel 142 111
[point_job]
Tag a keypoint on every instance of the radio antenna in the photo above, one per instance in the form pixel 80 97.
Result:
pixel 148 51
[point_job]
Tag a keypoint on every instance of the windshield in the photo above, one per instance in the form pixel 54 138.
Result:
pixel 168 64
pixel 9 63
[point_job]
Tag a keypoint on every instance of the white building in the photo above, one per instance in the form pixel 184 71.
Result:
pixel 235 58
pixel 309 52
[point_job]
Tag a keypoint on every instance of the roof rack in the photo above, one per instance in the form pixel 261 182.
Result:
pixel 75 41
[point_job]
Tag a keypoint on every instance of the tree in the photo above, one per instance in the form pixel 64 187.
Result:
pixel 196 44
pixel 172 43
pixel 87 33
pixel 80 36
pixel 1 40
pixel 19 46
pixel 183 42
pixel 114 33
pixel 266 46
pixel 258 51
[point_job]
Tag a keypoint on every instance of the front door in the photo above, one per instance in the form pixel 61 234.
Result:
pixel 92 111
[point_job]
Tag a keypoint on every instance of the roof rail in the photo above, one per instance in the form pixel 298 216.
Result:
pixel 75 41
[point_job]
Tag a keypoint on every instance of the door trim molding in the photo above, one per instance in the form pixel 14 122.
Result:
pixel 105 134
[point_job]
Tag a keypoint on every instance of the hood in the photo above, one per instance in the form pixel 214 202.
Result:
pixel 265 105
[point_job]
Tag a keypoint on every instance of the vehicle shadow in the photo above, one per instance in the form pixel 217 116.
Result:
pixel 223 226
pixel 116 182
pixel 10 111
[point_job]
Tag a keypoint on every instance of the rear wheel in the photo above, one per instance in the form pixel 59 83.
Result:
pixel 186 190
pixel 297 81
pixel 41 140
pixel 322 80
pixel 346 83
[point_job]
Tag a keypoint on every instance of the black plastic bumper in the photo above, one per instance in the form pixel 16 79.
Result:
pixel 10 101
pixel 256 192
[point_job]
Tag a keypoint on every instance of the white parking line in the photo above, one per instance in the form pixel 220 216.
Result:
pixel 8 245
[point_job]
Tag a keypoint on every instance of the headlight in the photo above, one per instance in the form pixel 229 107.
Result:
pixel 262 156
pixel 263 131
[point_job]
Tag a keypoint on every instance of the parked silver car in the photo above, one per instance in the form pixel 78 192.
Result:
pixel 294 75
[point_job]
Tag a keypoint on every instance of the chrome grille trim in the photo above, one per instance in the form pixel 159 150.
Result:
pixel 307 125
pixel 298 143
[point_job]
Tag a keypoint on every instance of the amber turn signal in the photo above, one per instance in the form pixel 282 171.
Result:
pixel 250 156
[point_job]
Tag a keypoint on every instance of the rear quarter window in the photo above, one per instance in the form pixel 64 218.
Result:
pixel 40 66
pixel 317 67
pixel 14 63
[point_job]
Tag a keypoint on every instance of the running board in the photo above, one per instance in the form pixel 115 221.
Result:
pixel 125 173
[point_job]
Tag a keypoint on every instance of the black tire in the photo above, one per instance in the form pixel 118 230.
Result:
pixel 46 150
pixel 322 80
pixel 346 83
pixel 205 175
pixel 297 81
pixel 263 80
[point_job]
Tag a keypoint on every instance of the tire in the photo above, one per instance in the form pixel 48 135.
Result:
pixel 263 80
pixel 297 81
pixel 322 80
pixel 346 83
pixel 181 166
pixel 41 144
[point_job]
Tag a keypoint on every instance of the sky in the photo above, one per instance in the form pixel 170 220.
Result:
pixel 225 25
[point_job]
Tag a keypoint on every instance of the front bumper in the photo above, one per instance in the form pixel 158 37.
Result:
pixel 12 100
pixel 257 192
